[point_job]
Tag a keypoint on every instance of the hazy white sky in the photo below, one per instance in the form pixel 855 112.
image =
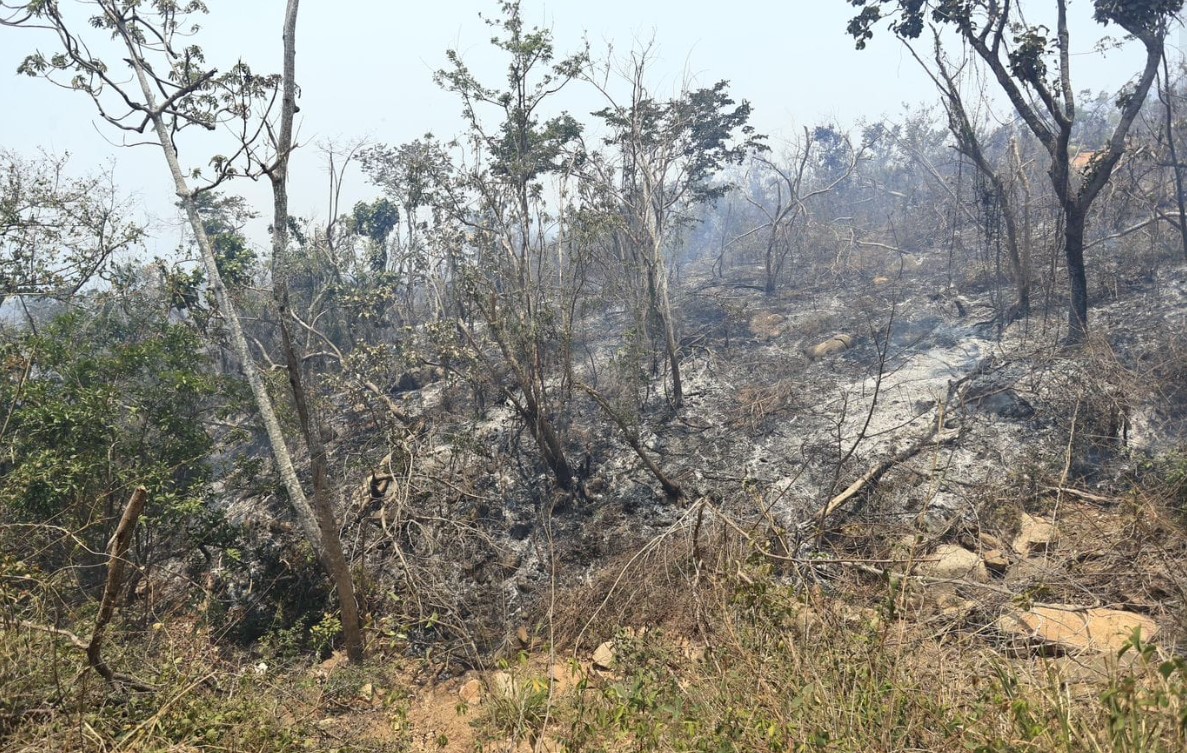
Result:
pixel 365 70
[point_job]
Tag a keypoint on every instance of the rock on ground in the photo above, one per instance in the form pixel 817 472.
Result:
pixel 1072 628
pixel 954 562
pixel 1034 535
pixel 604 655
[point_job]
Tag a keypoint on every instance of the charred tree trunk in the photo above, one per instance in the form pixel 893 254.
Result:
pixel 1167 93
pixel 547 440
pixel 672 490
pixel 769 284
pixel 1073 243
pixel 1018 268
pixel 531 407
pixel 661 307
pixel 673 348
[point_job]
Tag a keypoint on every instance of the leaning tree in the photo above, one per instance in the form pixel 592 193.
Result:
pixel 159 83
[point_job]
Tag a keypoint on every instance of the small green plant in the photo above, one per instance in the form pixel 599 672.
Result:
pixel 1142 709
pixel 1147 707
pixel 322 634
pixel 518 705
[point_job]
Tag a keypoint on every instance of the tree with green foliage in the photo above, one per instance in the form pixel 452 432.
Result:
pixel 101 399
pixel 375 221
pixel 223 219
pixel 1032 67
pixel 665 156
pixel 56 231
pixel 173 89
pixel 500 209
pixel 410 176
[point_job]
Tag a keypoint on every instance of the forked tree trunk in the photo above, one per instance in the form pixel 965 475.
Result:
pixel 551 449
pixel 1059 106
pixel 531 406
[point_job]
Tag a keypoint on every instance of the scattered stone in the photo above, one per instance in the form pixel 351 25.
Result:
pixel 1034 571
pixel 1003 402
pixel 806 622
pixel 904 263
pixel 864 616
pixel 996 560
pixel 1082 676
pixel 955 607
pixel 831 346
pixel 694 652
pixel 954 562
pixel 367 692
pixel 906 548
pixel 605 655
pixel 471 692
pixel 565 677
pixel 989 541
pixel 503 685
pixel 1072 628
pixel 328 667
pixel 1034 535
pixel 767 326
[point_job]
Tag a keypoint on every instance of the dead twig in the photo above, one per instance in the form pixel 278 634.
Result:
pixel 670 487
pixel 932 438
pixel 147 725
pixel 116 549
pixel 75 641
pixel 1089 496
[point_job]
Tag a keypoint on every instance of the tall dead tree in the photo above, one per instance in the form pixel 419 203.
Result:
pixel 788 215
pixel 327 524
pixel 970 144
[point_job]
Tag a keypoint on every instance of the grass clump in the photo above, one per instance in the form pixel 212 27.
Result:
pixel 779 669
